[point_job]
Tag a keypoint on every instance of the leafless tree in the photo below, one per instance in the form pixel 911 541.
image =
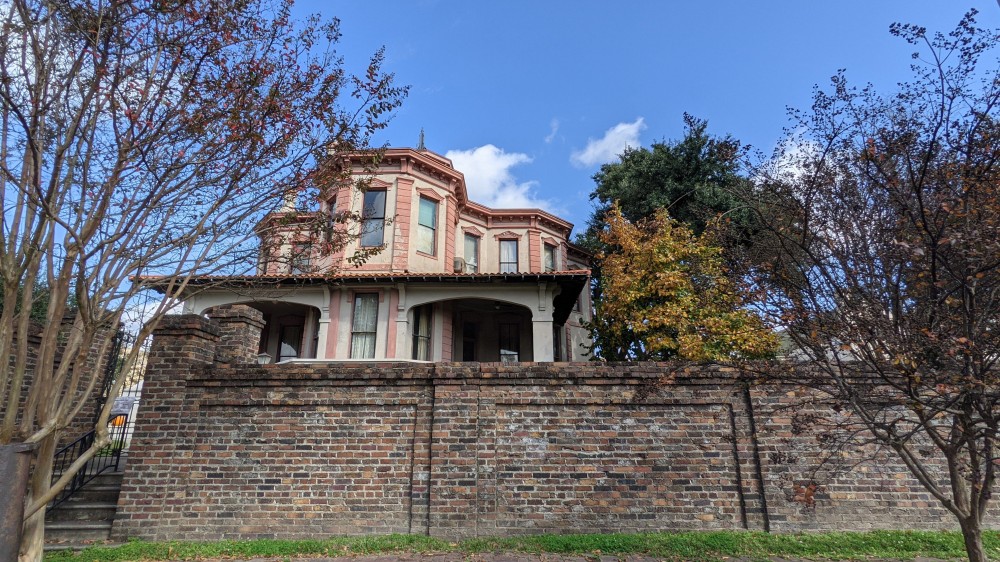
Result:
pixel 146 138
pixel 885 214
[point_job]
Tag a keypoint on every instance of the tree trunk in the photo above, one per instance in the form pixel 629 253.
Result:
pixel 33 540
pixel 972 532
pixel 15 462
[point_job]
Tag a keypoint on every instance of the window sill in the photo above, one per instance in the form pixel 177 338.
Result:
pixel 426 255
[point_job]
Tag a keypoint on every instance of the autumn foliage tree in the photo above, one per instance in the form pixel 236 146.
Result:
pixel 887 274
pixel 146 138
pixel 666 295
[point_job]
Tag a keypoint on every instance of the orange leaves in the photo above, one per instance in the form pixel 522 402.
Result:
pixel 667 289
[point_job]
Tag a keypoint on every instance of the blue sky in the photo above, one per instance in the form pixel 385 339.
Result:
pixel 530 97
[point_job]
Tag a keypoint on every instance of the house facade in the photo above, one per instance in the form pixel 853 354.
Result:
pixel 446 279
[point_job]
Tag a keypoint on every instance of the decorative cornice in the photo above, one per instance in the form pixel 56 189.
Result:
pixel 507 235
pixel 473 230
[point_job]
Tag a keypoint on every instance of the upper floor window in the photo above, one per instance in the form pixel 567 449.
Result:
pixel 471 254
pixel 373 219
pixel 550 257
pixel 508 256
pixel 300 259
pixel 427 227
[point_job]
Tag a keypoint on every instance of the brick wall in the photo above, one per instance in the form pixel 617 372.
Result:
pixel 468 449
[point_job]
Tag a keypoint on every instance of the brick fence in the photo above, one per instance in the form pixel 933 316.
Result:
pixel 469 449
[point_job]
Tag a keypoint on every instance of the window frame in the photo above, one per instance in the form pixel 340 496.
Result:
pixel 355 332
pixel 516 262
pixel 471 266
pixel 549 251
pixel 433 228
pixel 423 314
pixel 367 219
pixel 513 338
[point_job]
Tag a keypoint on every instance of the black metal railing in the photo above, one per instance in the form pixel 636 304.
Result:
pixel 121 422
pixel 108 459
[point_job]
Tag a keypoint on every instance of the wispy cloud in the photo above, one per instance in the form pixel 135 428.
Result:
pixel 608 147
pixel 554 125
pixel 490 181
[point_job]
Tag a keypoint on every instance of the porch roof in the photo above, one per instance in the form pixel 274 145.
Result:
pixel 570 282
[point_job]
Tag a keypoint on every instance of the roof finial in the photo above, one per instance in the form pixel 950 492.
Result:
pixel 420 143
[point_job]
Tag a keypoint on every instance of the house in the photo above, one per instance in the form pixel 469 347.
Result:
pixel 452 280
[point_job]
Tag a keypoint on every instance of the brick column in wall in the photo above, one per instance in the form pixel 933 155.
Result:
pixel 453 476
pixel 158 465
pixel 239 332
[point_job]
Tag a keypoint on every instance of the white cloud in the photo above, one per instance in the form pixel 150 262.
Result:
pixel 488 176
pixel 554 125
pixel 608 147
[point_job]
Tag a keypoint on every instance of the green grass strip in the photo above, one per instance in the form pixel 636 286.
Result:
pixel 669 546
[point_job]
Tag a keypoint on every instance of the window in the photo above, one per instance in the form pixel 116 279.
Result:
pixel 422 333
pixel 427 227
pixel 471 254
pixel 508 256
pixel 373 219
pixel 510 342
pixel 290 340
pixel 364 326
pixel 300 259
pixel 550 257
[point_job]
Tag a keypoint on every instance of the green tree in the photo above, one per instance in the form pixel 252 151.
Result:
pixel 666 295
pixel 694 180
pixel 887 275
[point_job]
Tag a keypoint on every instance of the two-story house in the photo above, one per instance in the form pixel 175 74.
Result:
pixel 454 280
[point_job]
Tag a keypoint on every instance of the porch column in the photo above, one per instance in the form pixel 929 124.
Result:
pixel 403 344
pixel 323 333
pixel 541 324
pixel 541 336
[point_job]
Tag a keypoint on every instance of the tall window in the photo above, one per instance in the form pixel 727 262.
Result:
pixel 300 259
pixel 427 227
pixel 290 340
pixel 550 257
pixel 422 333
pixel 373 219
pixel 471 254
pixel 508 256
pixel 364 326
pixel 510 342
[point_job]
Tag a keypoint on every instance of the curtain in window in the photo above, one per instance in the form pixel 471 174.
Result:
pixel 508 256
pixel 471 254
pixel 422 333
pixel 550 258
pixel 364 328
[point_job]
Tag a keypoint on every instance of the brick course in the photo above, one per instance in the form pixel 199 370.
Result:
pixel 469 449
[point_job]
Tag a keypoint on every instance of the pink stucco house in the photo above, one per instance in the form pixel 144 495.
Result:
pixel 454 281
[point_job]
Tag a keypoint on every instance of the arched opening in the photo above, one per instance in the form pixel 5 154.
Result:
pixel 291 330
pixel 489 330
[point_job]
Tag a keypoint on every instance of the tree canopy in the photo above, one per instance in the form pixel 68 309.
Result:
pixel 666 295
pixel 886 274
pixel 693 179
pixel 145 138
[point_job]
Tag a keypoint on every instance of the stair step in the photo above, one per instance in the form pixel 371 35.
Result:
pixel 77 531
pixel 93 493
pixel 83 510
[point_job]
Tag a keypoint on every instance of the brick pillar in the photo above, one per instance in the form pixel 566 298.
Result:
pixel 454 486
pixel 239 332
pixel 152 499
